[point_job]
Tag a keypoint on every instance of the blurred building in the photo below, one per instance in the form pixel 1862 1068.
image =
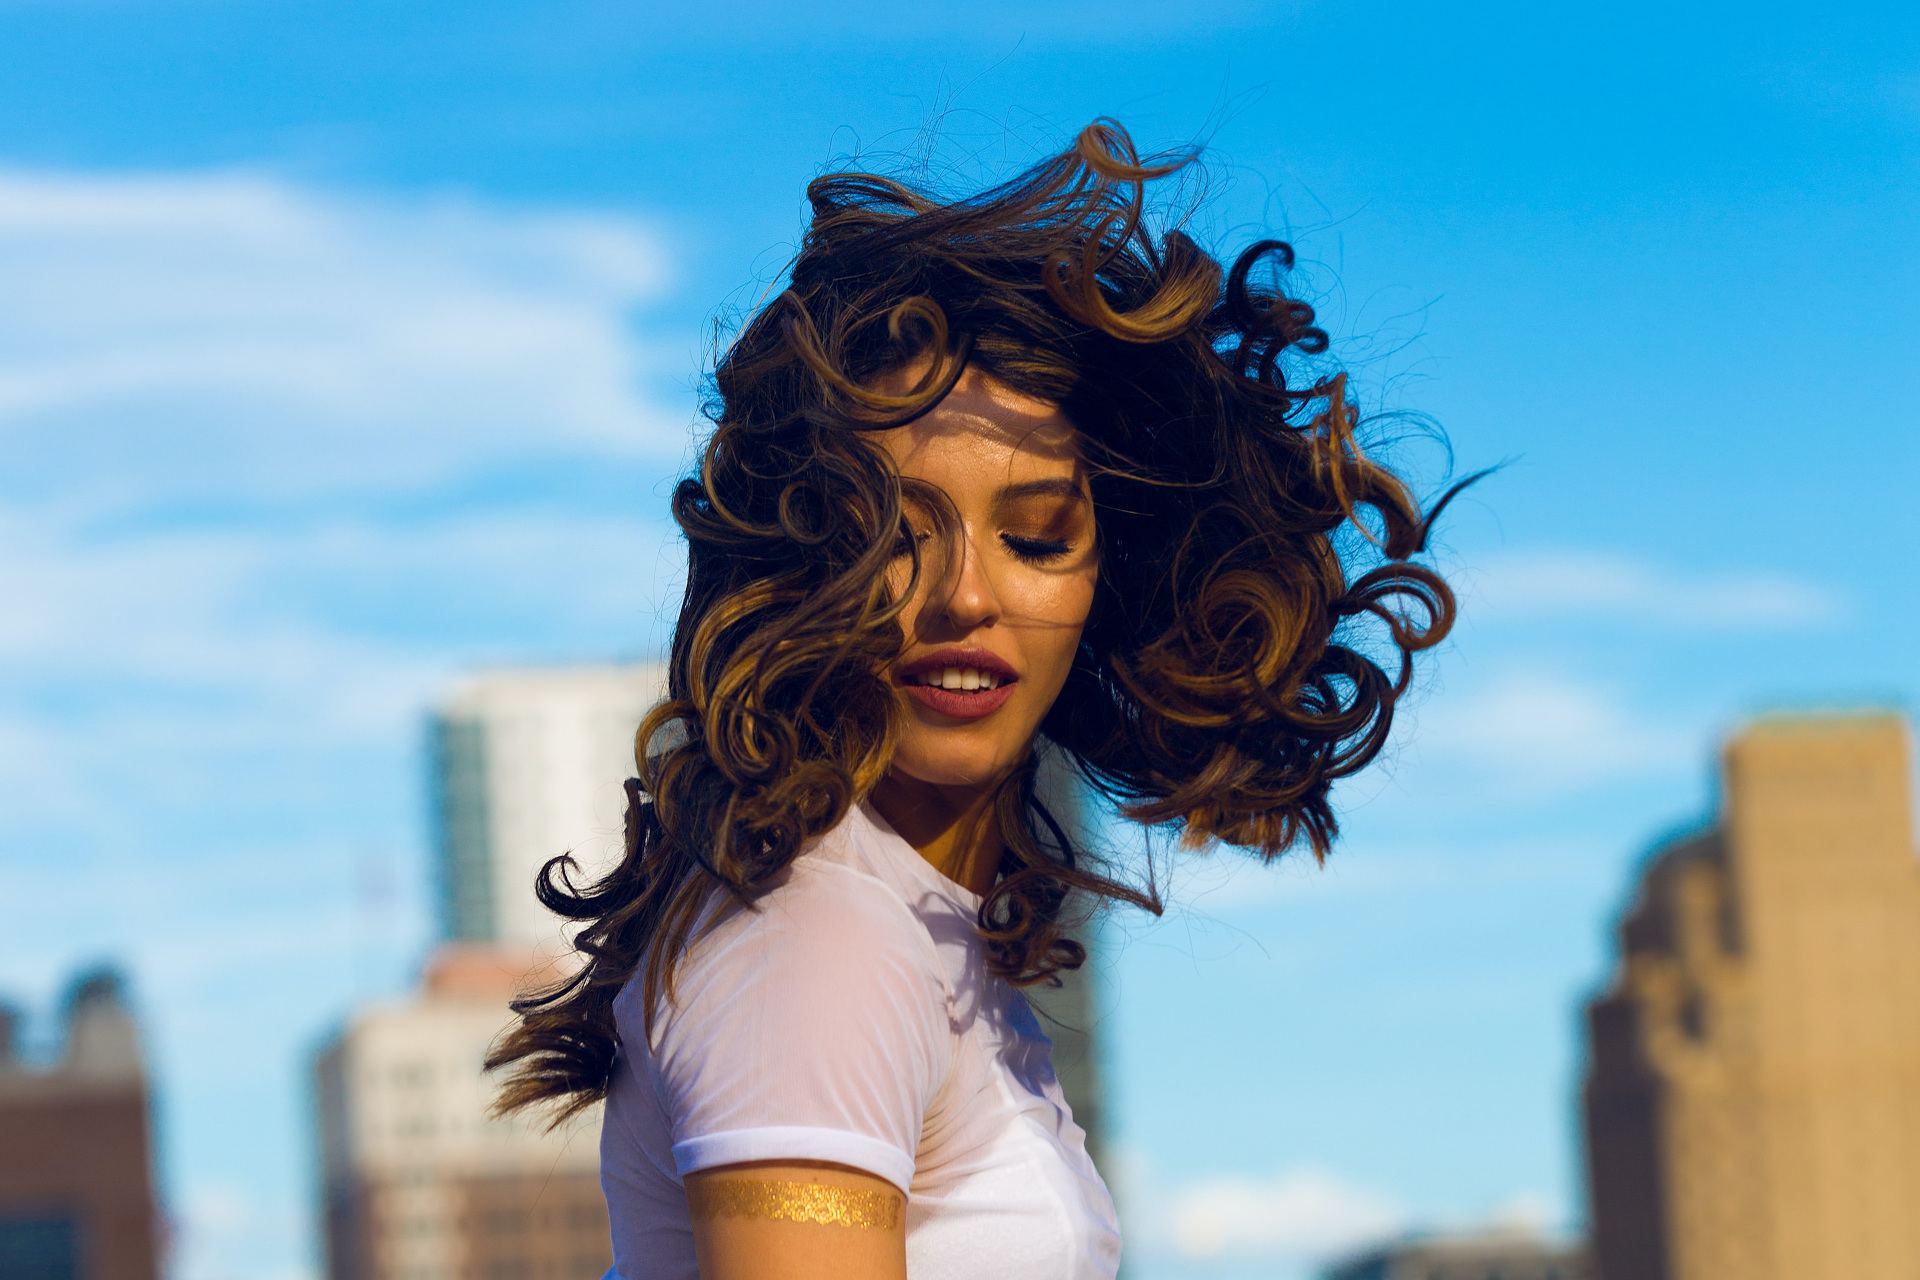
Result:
pixel 420 1184
pixel 1753 1088
pixel 1070 1016
pixel 1494 1255
pixel 528 765
pixel 76 1183
pixel 1070 1013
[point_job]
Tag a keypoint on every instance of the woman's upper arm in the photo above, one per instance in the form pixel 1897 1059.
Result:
pixel 795 1066
pixel 797 1220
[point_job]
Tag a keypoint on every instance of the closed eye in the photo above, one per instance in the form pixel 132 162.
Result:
pixel 1036 550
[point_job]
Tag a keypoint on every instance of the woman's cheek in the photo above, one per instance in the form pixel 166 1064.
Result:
pixel 1063 607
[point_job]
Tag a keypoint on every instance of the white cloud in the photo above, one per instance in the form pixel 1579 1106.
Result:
pixel 1209 895
pixel 1592 584
pixel 1293 1222
pixel 1529 1213
pixel 258 605
pixel 223 1230
pixel 1300 1215
pixel 260 499
pixel 205 333
pixel 172 341
pixel 1537 734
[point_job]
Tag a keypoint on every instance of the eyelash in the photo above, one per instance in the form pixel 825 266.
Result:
pixel 1035 550
pixel 1030 550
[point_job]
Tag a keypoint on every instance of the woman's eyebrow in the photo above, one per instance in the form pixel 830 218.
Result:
pixel 1059 487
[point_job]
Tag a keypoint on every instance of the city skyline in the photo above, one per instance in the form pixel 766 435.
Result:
pixel 348 351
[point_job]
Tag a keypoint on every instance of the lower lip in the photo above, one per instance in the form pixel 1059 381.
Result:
pixel 958 704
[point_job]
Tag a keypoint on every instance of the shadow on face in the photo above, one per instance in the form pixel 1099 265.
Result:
pixel 1000 512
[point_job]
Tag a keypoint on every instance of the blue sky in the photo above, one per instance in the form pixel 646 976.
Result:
pixel 345 346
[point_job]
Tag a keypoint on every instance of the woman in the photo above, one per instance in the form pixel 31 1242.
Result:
pixel 994 477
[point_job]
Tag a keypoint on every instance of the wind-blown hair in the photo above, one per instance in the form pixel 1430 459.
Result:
pixel 1217 689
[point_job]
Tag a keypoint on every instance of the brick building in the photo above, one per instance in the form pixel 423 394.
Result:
pixel 419 1182
pixel 76 1183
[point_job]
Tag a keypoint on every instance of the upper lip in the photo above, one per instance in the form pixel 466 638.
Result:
pixel 941 659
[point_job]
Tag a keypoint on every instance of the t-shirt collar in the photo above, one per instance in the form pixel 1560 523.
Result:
pixel 909 857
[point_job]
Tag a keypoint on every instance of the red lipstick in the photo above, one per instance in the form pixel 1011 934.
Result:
pixel 959 704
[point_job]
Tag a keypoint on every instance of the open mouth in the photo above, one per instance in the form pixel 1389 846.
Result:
pixel 961 685
pixel 963 679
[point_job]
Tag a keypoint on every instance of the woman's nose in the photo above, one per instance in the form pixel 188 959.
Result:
pixel 966 599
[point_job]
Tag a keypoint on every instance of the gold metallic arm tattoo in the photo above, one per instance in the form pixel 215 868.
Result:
pixel 794 1202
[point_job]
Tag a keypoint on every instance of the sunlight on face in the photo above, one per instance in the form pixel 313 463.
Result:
pixel 994 624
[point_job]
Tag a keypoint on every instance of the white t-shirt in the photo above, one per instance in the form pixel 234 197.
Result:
pixel 850 1018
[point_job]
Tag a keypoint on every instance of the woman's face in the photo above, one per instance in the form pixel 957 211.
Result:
pixel 994 623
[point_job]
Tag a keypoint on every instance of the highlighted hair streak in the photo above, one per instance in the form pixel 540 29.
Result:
pixel 1219 689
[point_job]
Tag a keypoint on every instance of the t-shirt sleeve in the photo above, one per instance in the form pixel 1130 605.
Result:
pixel 814 1027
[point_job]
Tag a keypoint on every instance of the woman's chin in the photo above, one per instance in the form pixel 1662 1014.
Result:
pixel 946 771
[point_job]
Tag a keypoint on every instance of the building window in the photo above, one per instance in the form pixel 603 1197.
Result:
pixel 42 1247
pixel 413 1075
pixel 464 832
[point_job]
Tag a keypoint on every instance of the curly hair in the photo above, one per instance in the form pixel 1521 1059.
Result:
pixel 1218 689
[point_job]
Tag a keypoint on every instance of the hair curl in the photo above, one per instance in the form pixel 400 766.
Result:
pixel 1216 688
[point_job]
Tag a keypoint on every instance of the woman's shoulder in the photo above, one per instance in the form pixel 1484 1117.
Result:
pixel 845 879
pixel 858 876
pixel 825 893
pixel 833 919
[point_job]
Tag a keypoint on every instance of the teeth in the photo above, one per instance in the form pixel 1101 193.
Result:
pixel 961 679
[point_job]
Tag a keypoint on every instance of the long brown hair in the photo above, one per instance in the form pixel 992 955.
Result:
pixel 1221 684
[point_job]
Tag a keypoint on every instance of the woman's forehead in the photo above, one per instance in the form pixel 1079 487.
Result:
pixel 984 420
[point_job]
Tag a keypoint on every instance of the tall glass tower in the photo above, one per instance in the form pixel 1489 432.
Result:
pixel 528 765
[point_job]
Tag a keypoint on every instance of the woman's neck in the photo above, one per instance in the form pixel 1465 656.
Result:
pixel 953 828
